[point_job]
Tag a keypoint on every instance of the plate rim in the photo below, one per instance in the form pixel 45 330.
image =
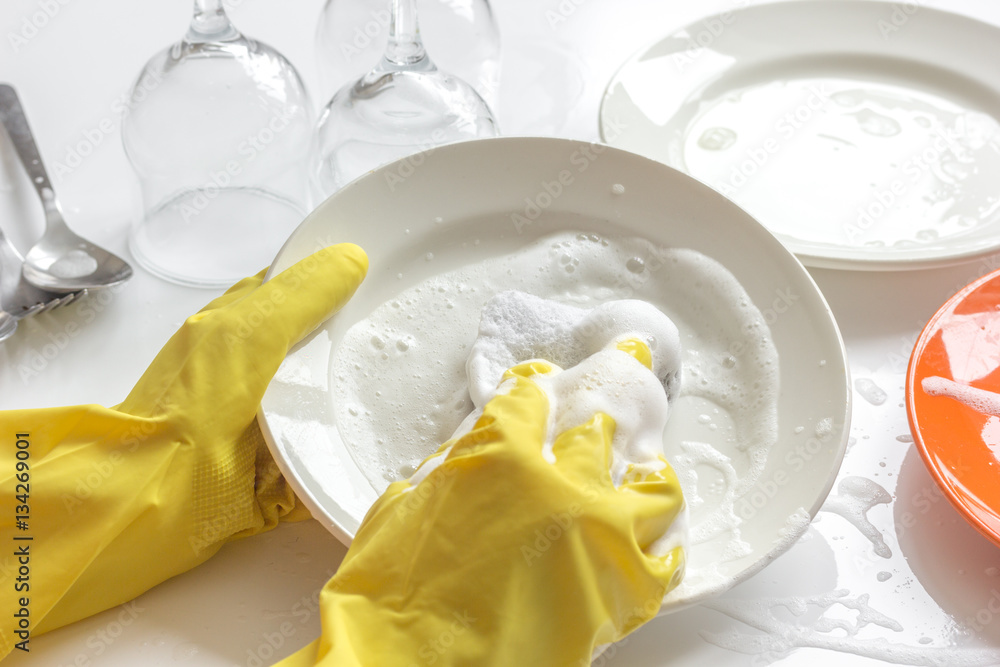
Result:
pixel 840 257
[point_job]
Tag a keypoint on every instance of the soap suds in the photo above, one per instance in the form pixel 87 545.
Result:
pixel 407 402
pixel 855 497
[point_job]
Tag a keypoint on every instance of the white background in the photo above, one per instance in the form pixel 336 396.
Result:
pixel 236 607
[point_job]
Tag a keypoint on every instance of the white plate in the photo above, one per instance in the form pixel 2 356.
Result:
pixel 458 203
pixel 863 134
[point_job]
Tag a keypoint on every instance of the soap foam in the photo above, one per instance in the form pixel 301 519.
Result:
pixel 609 381
pixel 395 404
pixel 516 326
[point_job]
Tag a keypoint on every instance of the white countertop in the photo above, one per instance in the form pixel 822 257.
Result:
pixel 830 600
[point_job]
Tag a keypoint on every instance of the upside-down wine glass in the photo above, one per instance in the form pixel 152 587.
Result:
pixel 404 105
pixel 218 133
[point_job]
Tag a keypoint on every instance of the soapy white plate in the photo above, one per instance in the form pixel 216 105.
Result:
pixel 865 135
pixel 461 203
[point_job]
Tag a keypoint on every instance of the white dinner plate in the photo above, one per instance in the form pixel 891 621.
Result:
pixel 460 204
pixel 863 134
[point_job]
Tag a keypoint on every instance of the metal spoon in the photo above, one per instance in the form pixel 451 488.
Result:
pixel 61 261
pixel 18 298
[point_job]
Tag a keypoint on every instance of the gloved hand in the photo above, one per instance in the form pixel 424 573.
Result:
pixel 496 557
pixel 119 499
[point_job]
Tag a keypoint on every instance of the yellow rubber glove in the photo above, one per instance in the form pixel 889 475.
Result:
pixel 498 557
pixel 117 500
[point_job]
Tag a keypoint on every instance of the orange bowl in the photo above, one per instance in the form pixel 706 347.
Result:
pixel 953 401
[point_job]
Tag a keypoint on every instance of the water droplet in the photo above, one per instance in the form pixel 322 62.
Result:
pixel 958 170
pixel 876 124
pixel 402 345
pixel 927 235
pixel 884 576
pixel 635 265
pixel 185 651
pixel 729 361
pixel 847 98
pixel 377 342
pixel 906 437
pixel 870 391
pixel 618 189
pixel 717 139
pixel 429 256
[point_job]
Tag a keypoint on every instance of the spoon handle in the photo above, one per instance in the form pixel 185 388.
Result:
pixel 13 118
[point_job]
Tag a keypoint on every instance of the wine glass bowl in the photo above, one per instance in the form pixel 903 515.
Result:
pixel 462 36
pixel 404 105
pixel 385 116
pixel 218 135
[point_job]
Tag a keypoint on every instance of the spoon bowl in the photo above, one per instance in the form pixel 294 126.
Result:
pixel 61 261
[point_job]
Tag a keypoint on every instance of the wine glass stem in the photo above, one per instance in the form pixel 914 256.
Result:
pixel 210 22
pixel 405 47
